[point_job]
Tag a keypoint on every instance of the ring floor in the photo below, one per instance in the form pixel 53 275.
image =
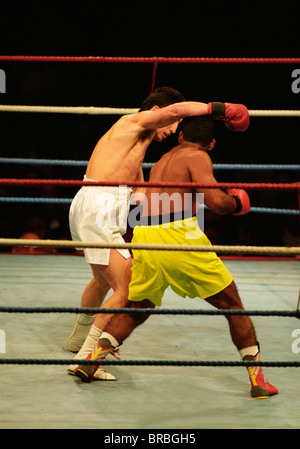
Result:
pixel 145 397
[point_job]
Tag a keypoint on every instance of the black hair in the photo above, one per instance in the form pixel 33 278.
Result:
pixel 199 129
pixel 162 96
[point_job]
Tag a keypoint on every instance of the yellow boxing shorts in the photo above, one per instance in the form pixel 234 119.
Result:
pixel 188 273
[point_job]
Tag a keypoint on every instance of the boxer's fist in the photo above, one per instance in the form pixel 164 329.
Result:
pixel 235 116
pixel 242 201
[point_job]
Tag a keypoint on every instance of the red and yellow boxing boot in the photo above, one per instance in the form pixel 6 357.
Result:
pixel 103 348
pixel 260 388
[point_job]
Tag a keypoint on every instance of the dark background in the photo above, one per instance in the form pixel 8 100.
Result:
pixel 190 29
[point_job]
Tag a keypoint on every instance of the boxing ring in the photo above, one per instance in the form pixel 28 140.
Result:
pixel 190 377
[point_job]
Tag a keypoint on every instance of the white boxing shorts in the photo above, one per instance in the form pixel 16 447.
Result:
pixel 99 215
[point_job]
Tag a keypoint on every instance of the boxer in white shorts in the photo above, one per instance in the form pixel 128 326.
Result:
pixel 117 156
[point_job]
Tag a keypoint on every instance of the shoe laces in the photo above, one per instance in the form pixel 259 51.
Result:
pixel 115 353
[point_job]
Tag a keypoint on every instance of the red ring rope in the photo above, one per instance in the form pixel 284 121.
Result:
pixel 219 185
pixel 153 60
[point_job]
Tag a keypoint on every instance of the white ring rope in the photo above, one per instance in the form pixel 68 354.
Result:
pixel 295 251
pixel 274 113
pixel 92 110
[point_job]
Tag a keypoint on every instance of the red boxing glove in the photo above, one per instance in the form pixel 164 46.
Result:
pixel 242 201
pixel 235 116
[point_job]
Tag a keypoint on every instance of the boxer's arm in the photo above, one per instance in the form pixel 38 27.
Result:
pixel 161 117
pixel 201 171
pixel 235 116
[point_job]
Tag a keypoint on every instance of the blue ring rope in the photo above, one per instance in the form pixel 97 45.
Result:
pixel 149 164
pixel 7 199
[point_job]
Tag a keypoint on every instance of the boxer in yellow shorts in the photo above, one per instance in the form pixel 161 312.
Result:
pixel 167 218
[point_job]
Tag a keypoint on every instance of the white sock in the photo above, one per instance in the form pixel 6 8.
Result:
pixel 112 339
pixel 90 342
pixel 80 332
pixel 86 319
pixel 251 350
